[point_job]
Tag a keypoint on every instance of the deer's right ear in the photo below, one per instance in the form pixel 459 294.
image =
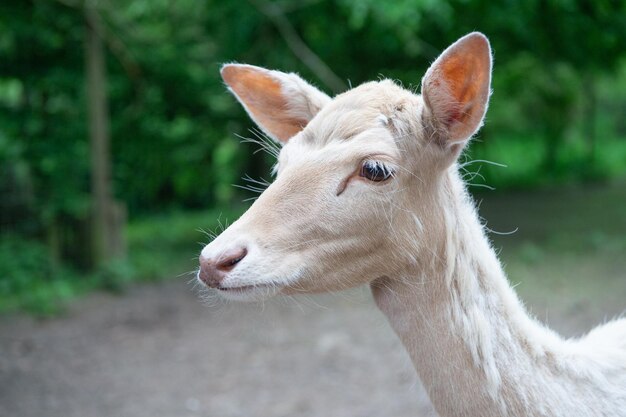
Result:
pixel 280 104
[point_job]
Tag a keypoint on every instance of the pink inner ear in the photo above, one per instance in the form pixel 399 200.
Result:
pixel 456 88
pixel 262 96
pixel 465 76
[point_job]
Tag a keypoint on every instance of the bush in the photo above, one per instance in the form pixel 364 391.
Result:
pixel 30 280
pixel 160 247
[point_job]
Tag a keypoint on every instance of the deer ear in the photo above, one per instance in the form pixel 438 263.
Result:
pixel 456 89
pixel 280 104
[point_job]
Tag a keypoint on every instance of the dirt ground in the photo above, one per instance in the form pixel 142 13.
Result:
pixel 158 351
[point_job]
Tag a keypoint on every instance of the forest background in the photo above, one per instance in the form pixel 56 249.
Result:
pixel 119 141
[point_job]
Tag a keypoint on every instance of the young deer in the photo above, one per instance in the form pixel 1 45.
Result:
pixel 367 190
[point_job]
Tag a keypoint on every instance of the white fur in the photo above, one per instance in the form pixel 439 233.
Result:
pixel 417 240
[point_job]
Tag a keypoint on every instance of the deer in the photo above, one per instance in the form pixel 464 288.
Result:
pixel 367 191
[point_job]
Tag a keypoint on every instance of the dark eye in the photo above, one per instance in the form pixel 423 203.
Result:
pixel 375 171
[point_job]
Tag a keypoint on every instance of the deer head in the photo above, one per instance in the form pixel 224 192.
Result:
pixel 357 176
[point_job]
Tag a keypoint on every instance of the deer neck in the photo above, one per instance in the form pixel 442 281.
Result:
pixel 468 335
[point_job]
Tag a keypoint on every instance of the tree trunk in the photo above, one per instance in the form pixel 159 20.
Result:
pixel 107 217
pixel 590 122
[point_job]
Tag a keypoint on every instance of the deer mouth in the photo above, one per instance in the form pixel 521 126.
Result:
pixel 249 292
pixel 258 288
pixel 244 288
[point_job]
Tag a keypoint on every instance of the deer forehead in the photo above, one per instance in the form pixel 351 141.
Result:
pixel 362 122
pixel 367 106
pixel 340 153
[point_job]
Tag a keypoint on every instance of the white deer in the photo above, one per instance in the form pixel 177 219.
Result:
pixel 367 190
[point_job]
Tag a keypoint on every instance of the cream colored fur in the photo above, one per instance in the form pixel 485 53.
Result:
pixel 416 239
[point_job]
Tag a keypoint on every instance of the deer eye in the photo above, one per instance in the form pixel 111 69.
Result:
pixel 375 171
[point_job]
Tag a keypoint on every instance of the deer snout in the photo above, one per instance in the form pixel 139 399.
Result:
pixel 214 270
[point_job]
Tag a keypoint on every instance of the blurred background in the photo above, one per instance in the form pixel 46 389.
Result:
pixel 119 146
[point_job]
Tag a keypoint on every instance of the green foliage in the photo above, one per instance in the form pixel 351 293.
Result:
pixel 556 114
pixel 173 122
pixel 29 280
pixel 518 162
pixel 161 247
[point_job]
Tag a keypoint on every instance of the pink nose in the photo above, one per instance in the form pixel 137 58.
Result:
pixel 213 271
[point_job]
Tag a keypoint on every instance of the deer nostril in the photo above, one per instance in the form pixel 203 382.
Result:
pixel 209 274
pixel 230 259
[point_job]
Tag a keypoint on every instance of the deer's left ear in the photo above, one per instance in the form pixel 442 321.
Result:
pixel 281 104
pixel 456 90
